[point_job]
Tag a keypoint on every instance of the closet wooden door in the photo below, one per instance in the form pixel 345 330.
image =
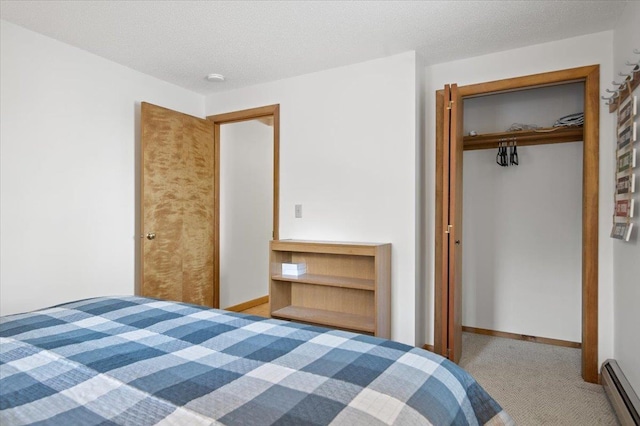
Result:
pixel 448 339
pixel 177 206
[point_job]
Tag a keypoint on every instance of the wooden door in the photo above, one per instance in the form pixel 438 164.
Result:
pixel 448 330
pixel 177 206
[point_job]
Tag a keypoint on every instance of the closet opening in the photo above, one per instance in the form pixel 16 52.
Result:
pixel 528 264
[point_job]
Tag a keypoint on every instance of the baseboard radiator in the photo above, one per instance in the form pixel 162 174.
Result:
pixel 623 398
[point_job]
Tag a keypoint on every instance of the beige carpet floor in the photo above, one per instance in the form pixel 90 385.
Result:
pixel 536 384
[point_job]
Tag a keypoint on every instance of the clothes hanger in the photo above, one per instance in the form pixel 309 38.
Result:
pixel 505 158
pixel 499 154
pixel 513 157
pixel 501 157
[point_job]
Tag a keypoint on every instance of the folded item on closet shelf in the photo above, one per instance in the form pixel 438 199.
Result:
pixel 516 127
pixel 571 120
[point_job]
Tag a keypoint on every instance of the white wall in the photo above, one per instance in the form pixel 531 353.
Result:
pixel 522 225
pixel 68 146
pixel 569 53
pixel 522 251
pixel 347 154
pixel 424 248
pixel 246 210
pixel 626 255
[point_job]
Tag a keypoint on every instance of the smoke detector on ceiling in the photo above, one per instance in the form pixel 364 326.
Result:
pixel 216 78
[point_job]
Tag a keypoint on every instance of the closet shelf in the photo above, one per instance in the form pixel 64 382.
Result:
pixel 525 137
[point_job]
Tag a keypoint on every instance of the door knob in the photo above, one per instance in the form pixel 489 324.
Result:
pixel 151 236
pixel 458 242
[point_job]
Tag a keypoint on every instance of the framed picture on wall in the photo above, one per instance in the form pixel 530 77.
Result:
pixel 628 109
pixel 626 134
pixel 624 208
pixel 622 231
pixel 626 184
pixel 627 160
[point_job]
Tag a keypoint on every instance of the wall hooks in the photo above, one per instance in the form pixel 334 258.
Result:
pixel 628 76
pixel 622 90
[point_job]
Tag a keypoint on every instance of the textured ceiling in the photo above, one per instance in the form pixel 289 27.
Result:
pixel 253 42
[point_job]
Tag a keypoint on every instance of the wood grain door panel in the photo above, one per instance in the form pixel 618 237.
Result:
pixel 197 205
pixel 177 205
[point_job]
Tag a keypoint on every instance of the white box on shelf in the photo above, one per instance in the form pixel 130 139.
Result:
pixel 294 269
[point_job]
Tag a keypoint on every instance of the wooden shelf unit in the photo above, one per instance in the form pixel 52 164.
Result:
pixel 347 285
pixel 525 137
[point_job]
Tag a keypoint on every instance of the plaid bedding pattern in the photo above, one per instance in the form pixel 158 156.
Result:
pixel 139 361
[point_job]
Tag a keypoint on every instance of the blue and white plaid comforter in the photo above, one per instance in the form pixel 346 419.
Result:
pixel 139 361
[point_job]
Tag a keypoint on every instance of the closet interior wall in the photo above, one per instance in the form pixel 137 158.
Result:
pixel 523 224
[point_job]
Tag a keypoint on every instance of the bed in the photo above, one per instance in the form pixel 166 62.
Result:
pixel 140 361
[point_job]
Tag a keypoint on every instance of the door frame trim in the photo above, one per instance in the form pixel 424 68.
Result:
pixel 267 111
pixel 590 75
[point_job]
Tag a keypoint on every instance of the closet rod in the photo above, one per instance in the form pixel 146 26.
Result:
pixel 524 137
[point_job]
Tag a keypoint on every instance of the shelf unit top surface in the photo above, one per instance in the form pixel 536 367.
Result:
pixel 331 243
pixel 327 247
